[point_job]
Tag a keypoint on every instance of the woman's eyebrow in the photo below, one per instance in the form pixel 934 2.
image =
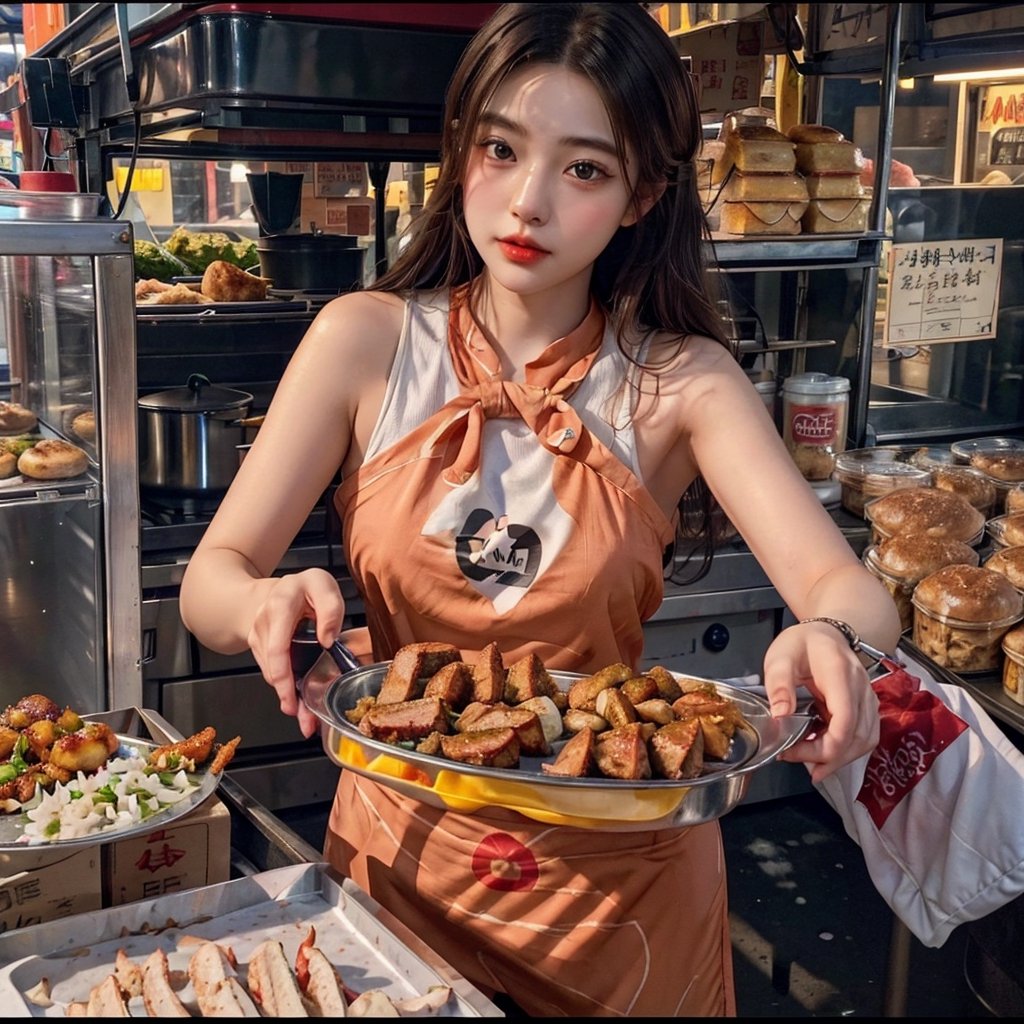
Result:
pixel 496 120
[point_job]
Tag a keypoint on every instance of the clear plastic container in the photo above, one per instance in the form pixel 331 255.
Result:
pixel 972 485
pixel 900 584
pixel 867 473
pixel 1013 664
pixel 963 450
pixel 815 408
pixel 1000 459
pixel 966 646
pixel 1006 531
pixel 1010 562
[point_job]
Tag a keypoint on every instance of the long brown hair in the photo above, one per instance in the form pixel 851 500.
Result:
pixel 652 275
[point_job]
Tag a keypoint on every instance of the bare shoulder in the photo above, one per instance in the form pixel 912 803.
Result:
pixel 355 313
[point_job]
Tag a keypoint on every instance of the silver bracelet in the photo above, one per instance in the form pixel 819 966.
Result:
pixel 857 645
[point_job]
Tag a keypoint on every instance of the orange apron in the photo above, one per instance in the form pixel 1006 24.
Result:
pixel 500 516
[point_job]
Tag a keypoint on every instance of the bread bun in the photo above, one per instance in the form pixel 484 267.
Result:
pixel 1014 499
pixel 8 465
pixel 1009 562
pixel 52 459
pixel 1014 641
pixel 928 511
pixel 1001 465
pixel 914 556
pixel 970 485
pixel 968 593
pixel 84 426
pixel 16 419
pixel 828 158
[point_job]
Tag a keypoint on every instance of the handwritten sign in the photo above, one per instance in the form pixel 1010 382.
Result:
pixel 339 179
pixel 847 26
pixel 943 291
pixel 729 66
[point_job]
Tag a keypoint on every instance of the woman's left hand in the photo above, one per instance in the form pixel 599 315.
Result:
pixel 817 656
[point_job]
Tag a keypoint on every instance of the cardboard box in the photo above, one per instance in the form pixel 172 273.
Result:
pixel 44 885
pixel 191 851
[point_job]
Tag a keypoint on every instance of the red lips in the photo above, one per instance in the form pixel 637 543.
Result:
pixel 521 250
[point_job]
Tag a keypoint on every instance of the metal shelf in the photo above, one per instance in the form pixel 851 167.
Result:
pixel 788 252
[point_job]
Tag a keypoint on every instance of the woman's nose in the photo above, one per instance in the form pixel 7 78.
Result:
pixel 529 200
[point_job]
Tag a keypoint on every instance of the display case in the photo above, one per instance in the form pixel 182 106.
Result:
pixel 69 561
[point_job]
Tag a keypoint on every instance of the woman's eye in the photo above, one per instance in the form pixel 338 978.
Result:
pixel 586 171
pixel 497 149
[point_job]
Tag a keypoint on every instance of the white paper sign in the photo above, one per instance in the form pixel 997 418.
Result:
pixel 943 291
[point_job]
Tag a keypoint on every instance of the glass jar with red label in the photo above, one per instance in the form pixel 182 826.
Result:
pixel 815 408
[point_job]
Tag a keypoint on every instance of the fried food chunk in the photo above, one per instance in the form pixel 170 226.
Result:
pixel 195 748
pixel 84 750
pixel 31 709
pixel 225 752
pixel 225 282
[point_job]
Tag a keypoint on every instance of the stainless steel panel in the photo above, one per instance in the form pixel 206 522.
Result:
pixel 166 647
pixel 720 646
pixel 233 704
pixel 51 586
pixel 285 784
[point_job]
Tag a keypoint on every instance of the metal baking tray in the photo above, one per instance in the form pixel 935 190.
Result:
pixel 370 948
pixel 610 804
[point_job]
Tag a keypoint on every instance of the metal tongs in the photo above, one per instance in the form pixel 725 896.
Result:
pixel 306 648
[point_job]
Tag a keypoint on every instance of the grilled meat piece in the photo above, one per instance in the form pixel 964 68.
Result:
pixel 85 750
pixel 576 758
pixel 319 980
pixel 613 706
pixel 622 753
pixel 225 753
pixel 489 675
pixel 106 1000
pixel 411 664
pixel 583 693
pixel 272 983
pixel 493 748
pixel 128 974
pixel 638 689
pixel 453 683
pixel 719 718
pixel 526 723
pixel 677 750
pixel 215 982
pixel 407 720
pixel 668 686
pixel 528 678
pixel 655 710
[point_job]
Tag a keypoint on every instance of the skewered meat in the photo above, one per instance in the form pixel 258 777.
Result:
pixel 408 720
pixel 85 750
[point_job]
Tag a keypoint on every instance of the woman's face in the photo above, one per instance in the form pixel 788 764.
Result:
pixel 543 190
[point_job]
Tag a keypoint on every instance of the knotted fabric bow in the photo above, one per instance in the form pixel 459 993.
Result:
pixel 540 401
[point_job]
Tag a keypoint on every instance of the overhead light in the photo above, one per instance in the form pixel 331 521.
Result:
pixel 238 172
pixel 906 83
pixel 980 76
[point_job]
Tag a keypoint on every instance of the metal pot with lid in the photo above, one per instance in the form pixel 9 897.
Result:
pixel 189 438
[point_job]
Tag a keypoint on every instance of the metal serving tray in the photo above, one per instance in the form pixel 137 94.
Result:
pixel 370 948
pixel 602 803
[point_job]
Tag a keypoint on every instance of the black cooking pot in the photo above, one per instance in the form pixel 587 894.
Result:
pixel 189 438
pixel 311 262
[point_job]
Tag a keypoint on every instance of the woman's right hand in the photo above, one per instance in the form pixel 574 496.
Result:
pixel 310 594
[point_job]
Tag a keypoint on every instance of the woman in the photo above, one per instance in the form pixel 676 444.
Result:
pixel 517 409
